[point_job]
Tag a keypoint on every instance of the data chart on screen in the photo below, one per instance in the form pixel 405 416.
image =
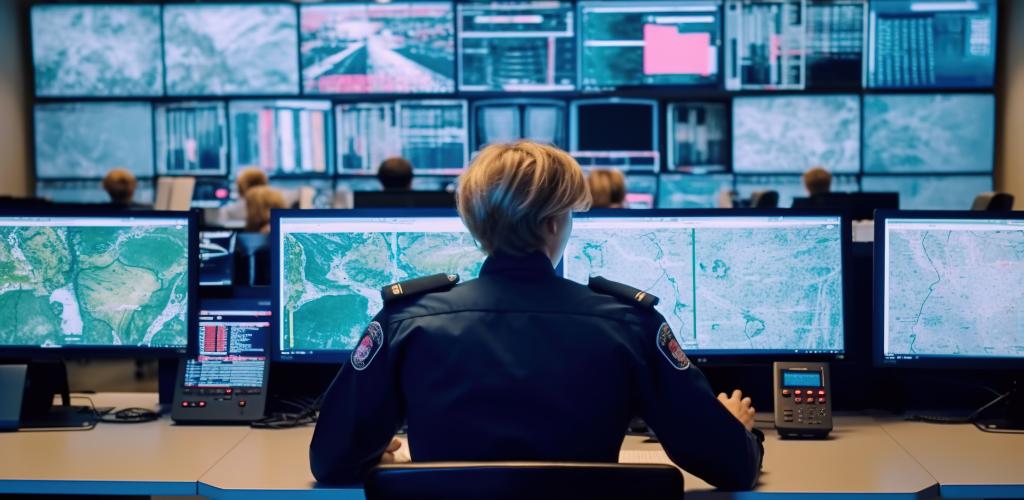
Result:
pixel 283 137
pixel 191 138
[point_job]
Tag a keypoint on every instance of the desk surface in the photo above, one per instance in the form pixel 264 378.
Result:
pixel 153 458
pixel 966 462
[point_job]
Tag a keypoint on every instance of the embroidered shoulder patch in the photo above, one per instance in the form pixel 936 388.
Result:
pixel 368 347
pixel 670 348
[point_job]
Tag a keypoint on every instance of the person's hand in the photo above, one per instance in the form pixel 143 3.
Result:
pixel 740 407
pixel 389 453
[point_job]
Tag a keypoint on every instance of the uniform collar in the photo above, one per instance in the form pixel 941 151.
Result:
pixel 531 264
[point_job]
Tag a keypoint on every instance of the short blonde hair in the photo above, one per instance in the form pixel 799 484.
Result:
pixel 259 201
pixel 249 178
pixel 120 184
pixel 817 180
pixel 607 188
pixel 510 191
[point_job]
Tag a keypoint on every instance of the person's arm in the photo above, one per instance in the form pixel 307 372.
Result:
pixel 696 430
pixel 360 412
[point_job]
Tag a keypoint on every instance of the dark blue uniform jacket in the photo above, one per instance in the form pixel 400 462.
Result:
pixel 523 365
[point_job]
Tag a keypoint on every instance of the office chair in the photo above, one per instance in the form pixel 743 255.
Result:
pixel 524 481
pixel 993 201
pixel 764 199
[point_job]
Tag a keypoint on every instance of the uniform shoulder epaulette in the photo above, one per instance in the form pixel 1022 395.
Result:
pixel 622 292
pixel 418 286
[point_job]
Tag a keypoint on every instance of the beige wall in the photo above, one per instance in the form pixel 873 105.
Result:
pixel 1010 163
pixel 14 164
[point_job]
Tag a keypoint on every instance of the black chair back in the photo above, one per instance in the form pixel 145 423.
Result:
pixel 764 199
pixel 993 202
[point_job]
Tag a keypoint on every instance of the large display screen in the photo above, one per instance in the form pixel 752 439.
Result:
pixel 89 191
pixel 94 281
pixel 939 43
pixel 929 133
pixel 697 135
pixel 192 138
pixel 835 43
pixel 231 49
pixel 517 46
pixel 85 140
pixel 503 121
pixel 930 192
pixel 332 270
pixel 790 134
pixel 766 44
pixel 97 50
pixel 693 191
pixel 393 48
pixel 625 44
pixel 598 139
pixel 281 137
pixel 741 285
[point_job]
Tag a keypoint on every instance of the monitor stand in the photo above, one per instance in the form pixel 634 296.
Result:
pixel 32 387
pixel 1012 417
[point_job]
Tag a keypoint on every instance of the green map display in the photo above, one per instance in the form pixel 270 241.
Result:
pixel 332 281
pixel 93 285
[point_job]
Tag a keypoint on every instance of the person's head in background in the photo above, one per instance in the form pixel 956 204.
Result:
pixel 817 181
pixel 607 188
pixel 249 178
pixel 395 174
pixel 517 199
pixel 120 184
pixel 259 201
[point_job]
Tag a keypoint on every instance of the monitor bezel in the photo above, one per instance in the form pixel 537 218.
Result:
pixel 730 357
pixel 878 295
pixel 104 351
pixel 276 322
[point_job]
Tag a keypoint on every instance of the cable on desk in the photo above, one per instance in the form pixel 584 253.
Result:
pixel 970 418
pixel 306 414
pixel 129 416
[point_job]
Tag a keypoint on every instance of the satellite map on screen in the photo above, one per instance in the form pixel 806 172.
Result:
pixel 726 288
pixel 85 140
pixel 930 192
pixel 97 50
pixel 93 285
pixel 331 282
pixel 944 303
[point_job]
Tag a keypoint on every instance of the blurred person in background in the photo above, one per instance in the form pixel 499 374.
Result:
pixel 395 174
pixel 120 184
pixel 817 181
pixel 607 188
pixel 259 201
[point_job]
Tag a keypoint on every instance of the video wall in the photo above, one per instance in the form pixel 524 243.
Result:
pixel 689 97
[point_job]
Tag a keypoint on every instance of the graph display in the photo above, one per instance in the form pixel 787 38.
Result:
pixel 697 136
pixel 231 49
pixel 503 121
pixel 85 140
pixel 790 186
pixel 789 134
pixel 624 44
pixel 281 137
pixel 93 282
pixel 191 138
pixel 726 284
pixel 368 133
pixel 943 43
pixel 766 44
pixel 931 192
pixel 517 46
pixel 97 50
pixel 435 134
pixel 929 133
pixel 692 191
pixel 394 48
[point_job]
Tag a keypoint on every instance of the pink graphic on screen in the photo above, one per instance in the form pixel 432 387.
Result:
pixel 669 52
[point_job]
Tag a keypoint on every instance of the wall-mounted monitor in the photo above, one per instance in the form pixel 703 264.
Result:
pixel 521 46
pixel 697 135
pixel 789 186
pixel 84 140
pixel 693 191
pixel 97 50
pixel 651 42
pixel 283 138
pixel 789 134
pixel 930 192
pixel 191 138
pixel 765 44
pixel 509 120
pixel 938 43
pixel 375 48
pixel 929 133
pixel 90 191
pixel 225 49
pixel 598 138
pixel 835 43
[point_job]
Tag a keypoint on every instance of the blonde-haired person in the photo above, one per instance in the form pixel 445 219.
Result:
pixel 607 188
pixel 259 201
pixel 817 181
pixel 235 213
pixel 480 370
pixel 120 185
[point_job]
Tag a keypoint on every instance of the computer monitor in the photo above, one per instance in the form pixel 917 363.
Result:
pixel 97 283
pixel 403 199
pixel 97 50
pixel 211 192
pixel 216 258
pixel 765 45
pixel 509 120
pixel 191 138
pixel 598 139
pixel 693 191
pixel 363 48
pixel 934 44
pixel 233 336
pixel 89 192
pixel 521 46
pixel 948 289
pixel 790 134
pixel 697 135
pixel 835 43
pixel 641 190
pixel 929 133
pixel 638 43
pixel 283 138
pixel 329 268
pixel 231 49
pixel 730 284
pixel 788 186
pixel 84 140
pixel 931 192
pixel 856 206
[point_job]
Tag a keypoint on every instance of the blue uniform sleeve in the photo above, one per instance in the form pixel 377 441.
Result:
pixel 361 411
pixel 695 429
